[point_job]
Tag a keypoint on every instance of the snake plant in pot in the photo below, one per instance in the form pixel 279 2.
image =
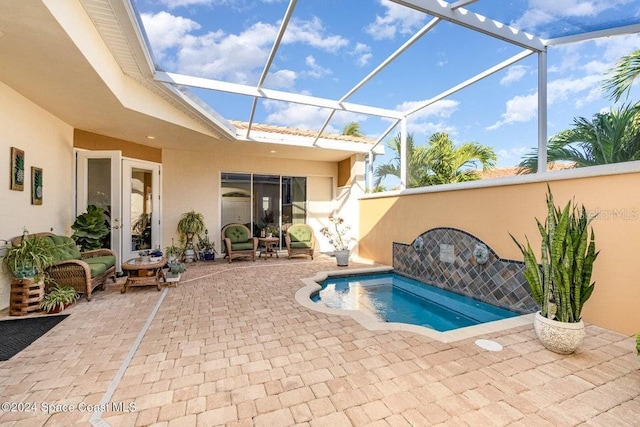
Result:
pixel 561 283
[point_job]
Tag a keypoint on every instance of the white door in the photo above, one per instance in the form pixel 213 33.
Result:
pixel 140 207
pixel 99 182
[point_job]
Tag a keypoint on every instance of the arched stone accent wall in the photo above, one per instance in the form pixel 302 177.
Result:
pixel 444 257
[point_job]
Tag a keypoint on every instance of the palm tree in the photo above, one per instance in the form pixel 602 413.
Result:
pixel 610 137
pixel 440 162
pixel 624 73
pixel 447 164
pixel 352 129
pixel 414 162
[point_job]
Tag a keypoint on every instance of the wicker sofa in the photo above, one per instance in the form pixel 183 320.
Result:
pixel 85 271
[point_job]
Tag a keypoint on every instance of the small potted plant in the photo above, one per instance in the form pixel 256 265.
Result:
pixel 58 298
pixel 176 268
pixel 337 234
pixel 173 252
pixel 31 257
pixel 207 247
pixel 144 256
pixel 561 283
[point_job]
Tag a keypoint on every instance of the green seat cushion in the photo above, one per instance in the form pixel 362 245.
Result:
pixel 65 248
pixel 242 246
pixel 97 269
pixel 300 245
pixel 236 234
pixel 300 233
pixel 108 260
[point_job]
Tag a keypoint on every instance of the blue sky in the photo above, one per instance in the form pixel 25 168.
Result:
pixel 331 45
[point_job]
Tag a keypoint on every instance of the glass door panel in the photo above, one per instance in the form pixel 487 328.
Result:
pixel 141 207
pixel 98 182
pixel 266 204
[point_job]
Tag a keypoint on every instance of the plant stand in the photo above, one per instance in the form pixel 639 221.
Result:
pixel 26 296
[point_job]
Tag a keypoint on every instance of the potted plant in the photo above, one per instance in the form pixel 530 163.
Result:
pixel 144 256
pixel 176 268
pixel 58 298
pixel 337 234
pixel 31 257
pixel 173 252
pixel 90 229
pixel 191 224
pixel 207 247
pixel 561 284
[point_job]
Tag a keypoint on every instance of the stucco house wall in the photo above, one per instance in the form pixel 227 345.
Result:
pixel 48 144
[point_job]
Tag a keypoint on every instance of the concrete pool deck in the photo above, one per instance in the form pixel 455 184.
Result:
pixel 231 346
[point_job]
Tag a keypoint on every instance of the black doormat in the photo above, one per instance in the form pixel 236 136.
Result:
pixel 16 335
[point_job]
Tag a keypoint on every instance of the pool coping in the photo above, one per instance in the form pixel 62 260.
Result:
pixel 303 297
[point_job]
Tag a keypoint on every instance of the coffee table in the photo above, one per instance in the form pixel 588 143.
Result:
pixel 267 246
pixel 143 273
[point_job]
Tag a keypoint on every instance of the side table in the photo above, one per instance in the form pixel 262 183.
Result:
pixel 143 273
pixel 267 246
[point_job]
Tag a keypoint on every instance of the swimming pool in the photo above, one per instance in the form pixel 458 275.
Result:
pixel 390 297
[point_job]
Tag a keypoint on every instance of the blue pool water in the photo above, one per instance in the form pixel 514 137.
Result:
pixel 394 298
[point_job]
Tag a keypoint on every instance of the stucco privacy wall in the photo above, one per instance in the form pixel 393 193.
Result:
pixel 48 144
pixel 491 213
pixel 191 181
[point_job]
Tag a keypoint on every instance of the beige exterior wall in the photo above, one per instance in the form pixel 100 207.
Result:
pixel 491 213
pixel 48 144
pixel 191 181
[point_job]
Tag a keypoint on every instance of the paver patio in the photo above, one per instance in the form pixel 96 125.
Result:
pixel 230 346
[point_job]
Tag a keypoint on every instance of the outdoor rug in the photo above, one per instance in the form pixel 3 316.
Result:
pixel 16 335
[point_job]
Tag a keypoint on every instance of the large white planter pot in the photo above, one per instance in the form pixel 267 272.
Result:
pixel 189 255
pixel 559 337
pixel 342 258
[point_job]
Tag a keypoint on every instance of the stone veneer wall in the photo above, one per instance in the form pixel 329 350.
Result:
pixel 498 281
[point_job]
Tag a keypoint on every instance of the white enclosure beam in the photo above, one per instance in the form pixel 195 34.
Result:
pixel 277 95
pixel 460 3
pixel 471 81
pixel 628 29
pixel 272 55
pixel 542 112
pixel 380 67
pixel 475 22
pixel 403 154
pixel 370 171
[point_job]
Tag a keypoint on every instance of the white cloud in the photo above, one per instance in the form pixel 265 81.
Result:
pixel 518 109
pixel 166 31
pixel 315 70
pixel 429 120
pixel 396 18
pixel 515 73
pixel 313 34
pixel 281 79
pixel 208 55
pixel 363 55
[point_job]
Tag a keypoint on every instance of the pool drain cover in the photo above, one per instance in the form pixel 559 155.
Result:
pixel 489 345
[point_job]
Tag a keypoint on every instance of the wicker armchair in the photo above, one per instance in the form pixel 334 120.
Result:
pixel 300 240
pixel 84 271
pixel 238 242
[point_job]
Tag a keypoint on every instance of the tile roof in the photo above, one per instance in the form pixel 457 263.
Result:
pixel 299 132
pixel 513 171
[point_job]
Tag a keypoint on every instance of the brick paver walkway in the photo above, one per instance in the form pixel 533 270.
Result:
pixel 230 346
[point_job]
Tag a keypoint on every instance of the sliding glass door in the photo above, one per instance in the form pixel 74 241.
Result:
pixel 269 203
